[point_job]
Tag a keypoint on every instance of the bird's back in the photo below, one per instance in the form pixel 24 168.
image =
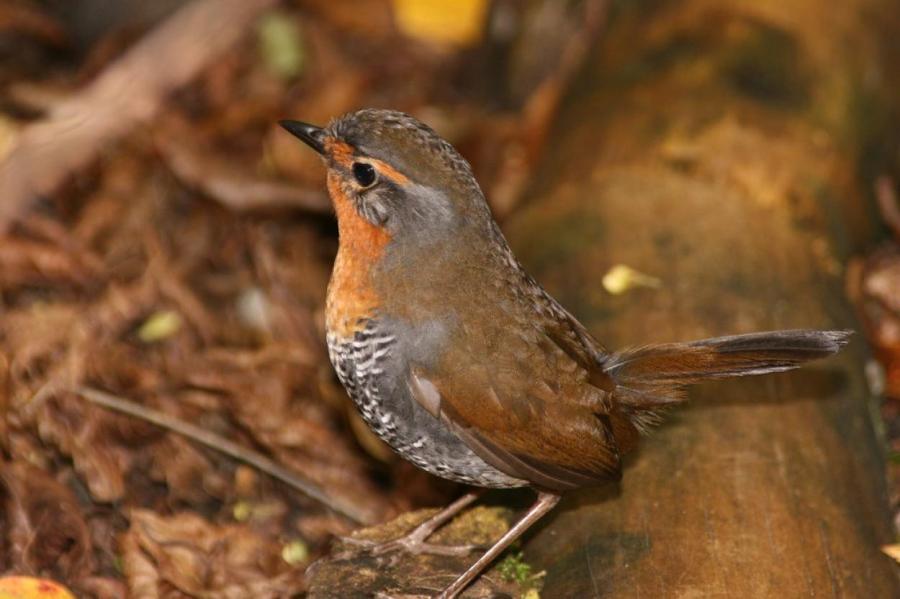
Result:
pixel 511 373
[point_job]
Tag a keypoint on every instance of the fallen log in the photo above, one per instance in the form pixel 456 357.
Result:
pixel 720 149
pixel 717 147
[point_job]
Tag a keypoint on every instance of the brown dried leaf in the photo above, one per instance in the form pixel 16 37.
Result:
pixel 297 433
pixel 234 186
pixel 47 534
pixel 888 204
pixel 57 342
pixel 142 578
pixel 82 431
pixel 102 587
pixel 16 17
pixel 264 401
pixel 129 91
pixel 188 474
pixel 203 559
pixel 36 335
pixel 874 286
pixel 27 262
pixel 366 18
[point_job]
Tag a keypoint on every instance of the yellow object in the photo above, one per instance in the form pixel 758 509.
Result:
pixel 459 22
pixel 160 326
pixel 295 552
pixel 25 587
pixel 621 278
pixel 242 511
pixel 891 550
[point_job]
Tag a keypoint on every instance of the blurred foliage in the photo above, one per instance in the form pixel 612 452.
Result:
pixel 163 239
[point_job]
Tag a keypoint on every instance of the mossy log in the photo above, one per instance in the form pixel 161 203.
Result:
pixel 724 149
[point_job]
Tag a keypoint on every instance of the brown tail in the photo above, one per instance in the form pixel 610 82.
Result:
pixel 652 377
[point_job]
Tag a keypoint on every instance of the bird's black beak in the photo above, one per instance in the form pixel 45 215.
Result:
pixel 311 135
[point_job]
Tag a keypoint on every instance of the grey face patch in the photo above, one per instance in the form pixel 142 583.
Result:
pixel 419 213
pixel 409 212
pixel 373 205
pixel 442 187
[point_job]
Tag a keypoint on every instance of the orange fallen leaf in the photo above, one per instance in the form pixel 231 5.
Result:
pixel 25 587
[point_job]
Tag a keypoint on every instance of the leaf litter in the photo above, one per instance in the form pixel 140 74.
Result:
pixel 873 285
pixel 164 241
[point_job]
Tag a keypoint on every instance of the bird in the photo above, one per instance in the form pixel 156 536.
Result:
pixel 460 361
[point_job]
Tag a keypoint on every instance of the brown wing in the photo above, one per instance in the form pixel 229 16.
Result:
pixel 531 401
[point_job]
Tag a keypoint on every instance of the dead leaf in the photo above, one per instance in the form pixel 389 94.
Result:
pixel 204 559
pixel 26 587
pixel 233 185
pixel 48 151
pixel 26 262
pixel 47 534
pixel 17 17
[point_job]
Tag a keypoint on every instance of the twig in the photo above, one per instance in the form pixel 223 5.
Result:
pixel 352 512
pixel 23 18
pixel 888 205
pixel 129 91
pixel 234 186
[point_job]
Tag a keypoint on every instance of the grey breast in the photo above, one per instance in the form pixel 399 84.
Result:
pixel 374 367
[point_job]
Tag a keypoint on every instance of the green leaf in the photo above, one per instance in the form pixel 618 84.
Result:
pixel 281 44
pixel 160 326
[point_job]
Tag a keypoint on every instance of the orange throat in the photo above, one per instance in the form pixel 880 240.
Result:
pixel 352 297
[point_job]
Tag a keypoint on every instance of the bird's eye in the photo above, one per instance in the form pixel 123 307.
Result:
pixel 364 174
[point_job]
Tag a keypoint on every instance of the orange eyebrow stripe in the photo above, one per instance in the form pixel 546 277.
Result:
pixel 342 153
pixel 390 172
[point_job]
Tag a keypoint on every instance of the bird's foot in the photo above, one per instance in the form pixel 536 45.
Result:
pixel 414 543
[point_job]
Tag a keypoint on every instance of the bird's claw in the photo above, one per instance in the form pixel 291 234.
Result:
pixel 412 544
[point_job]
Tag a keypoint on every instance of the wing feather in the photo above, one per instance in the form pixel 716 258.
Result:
pixel 539 409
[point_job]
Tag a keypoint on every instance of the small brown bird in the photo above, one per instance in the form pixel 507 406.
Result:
pixel 459 360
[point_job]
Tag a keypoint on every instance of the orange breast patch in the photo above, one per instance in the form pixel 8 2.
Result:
pixel 351 295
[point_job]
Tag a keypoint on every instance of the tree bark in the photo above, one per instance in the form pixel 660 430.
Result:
pixel 722 147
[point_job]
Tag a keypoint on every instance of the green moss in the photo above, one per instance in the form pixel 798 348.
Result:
pixel 514 568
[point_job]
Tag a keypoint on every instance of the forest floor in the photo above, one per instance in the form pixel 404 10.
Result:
pixel 176 258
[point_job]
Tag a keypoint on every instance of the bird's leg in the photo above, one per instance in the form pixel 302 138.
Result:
pixel 414 542
pixel 427 528
pixel 544 504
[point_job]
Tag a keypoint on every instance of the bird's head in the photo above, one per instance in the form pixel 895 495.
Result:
pixel 397 174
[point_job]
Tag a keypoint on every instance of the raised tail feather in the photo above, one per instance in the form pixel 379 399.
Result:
pixel 652 377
